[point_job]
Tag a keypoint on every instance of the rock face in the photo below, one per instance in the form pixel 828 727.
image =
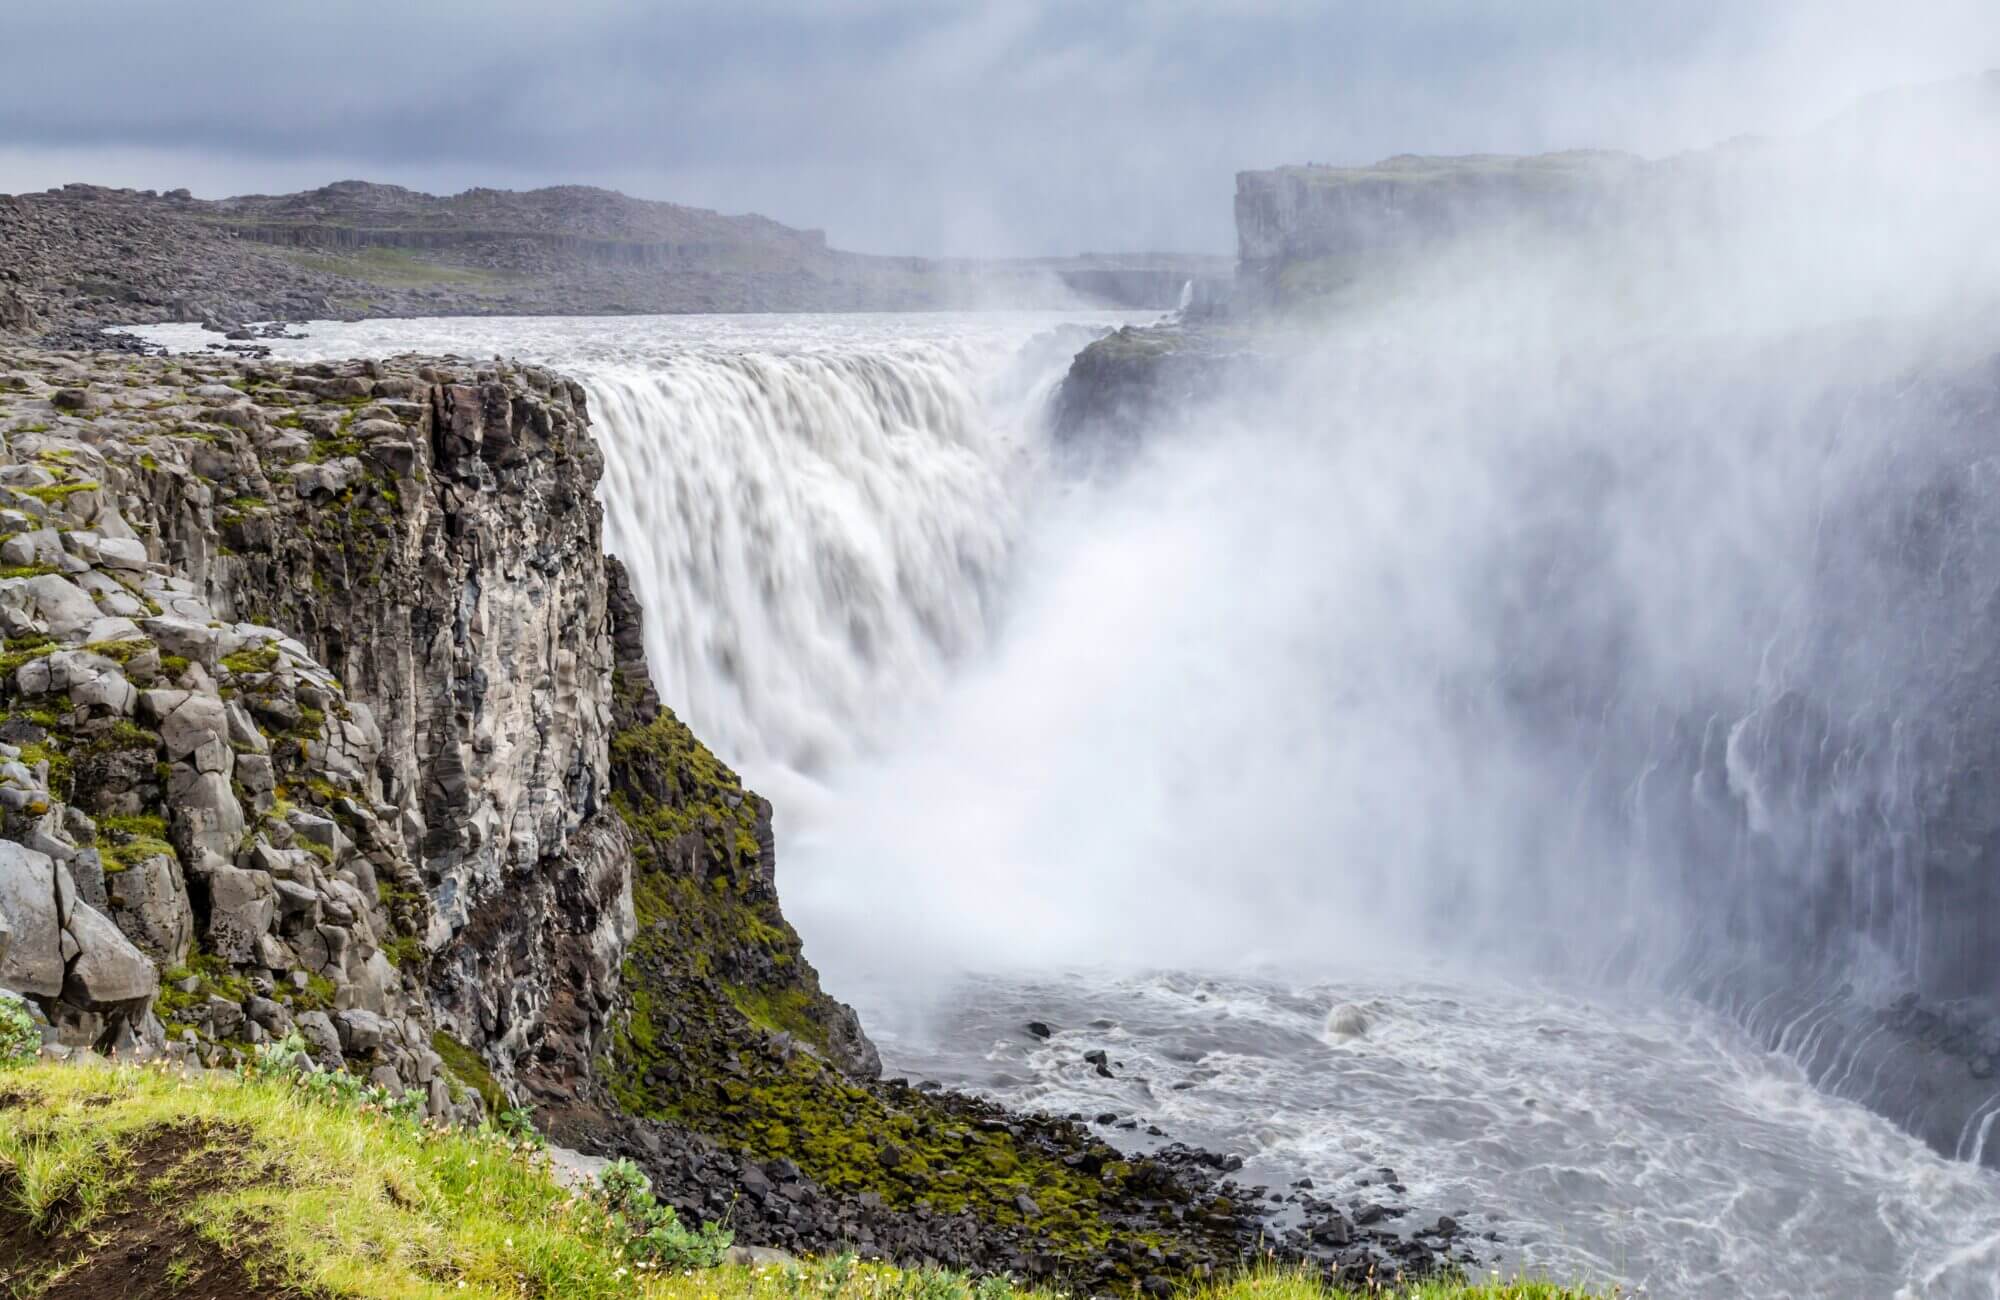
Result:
pixel 1303 231
pixel 309 675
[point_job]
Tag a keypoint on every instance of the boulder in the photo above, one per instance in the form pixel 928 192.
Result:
pixel 62 606
pixel 33 962
pixel 108 970
pixel 189 721
pixel 120 553
pixel 41 546
pixel 107 690
pixel 320 1035
pixel 242 905
pixel 361 1032
pixel 149 902
pixel 273 1016
pixel 206 815
pixel 185 637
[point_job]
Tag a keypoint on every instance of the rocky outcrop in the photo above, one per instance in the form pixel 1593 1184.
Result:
pixel 1138 377
pixel 1305 232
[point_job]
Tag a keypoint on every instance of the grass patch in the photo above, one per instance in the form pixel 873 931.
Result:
pixel 22 649
pixel 125 842
pixel 120 652
pixel 254 659
pixel 337 1200
pixel 468 1071
pixel 57 493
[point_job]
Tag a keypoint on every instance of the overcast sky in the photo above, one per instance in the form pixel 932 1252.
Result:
pixel 919 126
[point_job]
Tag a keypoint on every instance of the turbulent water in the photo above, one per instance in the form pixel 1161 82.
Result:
pixel 1020 721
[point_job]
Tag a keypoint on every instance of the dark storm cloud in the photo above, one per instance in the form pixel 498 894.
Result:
pixel 1003 126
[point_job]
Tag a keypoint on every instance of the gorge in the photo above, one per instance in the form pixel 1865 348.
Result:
pixel 1486 733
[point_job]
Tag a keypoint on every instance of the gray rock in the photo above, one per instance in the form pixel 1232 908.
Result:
pixel 149 902
pixel 318 1031
pixel 191 722
pixel 276 1020
pixel 242 906
pixel 119 553
pixel 361 1032
pixel 243 729
pixel 225 1018
pixel 33 962
pixel 108 970
pixel 108 691
pixel 61 605
pixel 295 899
pixel 40 546
pixel 205 813
pixel 185 637
pixel 255 773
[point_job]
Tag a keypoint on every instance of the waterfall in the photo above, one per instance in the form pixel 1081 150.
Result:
pixel 817 536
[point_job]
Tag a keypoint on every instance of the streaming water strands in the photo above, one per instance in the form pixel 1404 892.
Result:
pixel 819 536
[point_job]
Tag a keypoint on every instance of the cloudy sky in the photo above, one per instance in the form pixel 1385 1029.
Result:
pixel 920 126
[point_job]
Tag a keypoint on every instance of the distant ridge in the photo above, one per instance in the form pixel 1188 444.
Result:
pixel 84 255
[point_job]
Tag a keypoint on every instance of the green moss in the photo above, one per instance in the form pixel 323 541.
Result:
pixel 174 665
pixel 252 659
pixel 25 649
pixel 26 570
pixel 403 950
pixel 120 652
pixel 213 977
pixel 464 1066
pixel 317 995
pixel 57 493
pixel 125 842
pixel 689 791
pixel 788 1010
pixel 124 734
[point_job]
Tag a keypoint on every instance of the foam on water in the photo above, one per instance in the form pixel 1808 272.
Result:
pixel 1653 1145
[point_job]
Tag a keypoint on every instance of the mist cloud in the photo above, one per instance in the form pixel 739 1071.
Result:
pixel 1009 126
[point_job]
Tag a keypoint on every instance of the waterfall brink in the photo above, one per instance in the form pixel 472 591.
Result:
pixel 818 536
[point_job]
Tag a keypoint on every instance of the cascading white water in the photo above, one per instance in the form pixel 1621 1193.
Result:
pixel 821 536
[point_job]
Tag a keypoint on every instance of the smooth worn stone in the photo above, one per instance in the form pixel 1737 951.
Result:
pixel 33 962
pixel 108 969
